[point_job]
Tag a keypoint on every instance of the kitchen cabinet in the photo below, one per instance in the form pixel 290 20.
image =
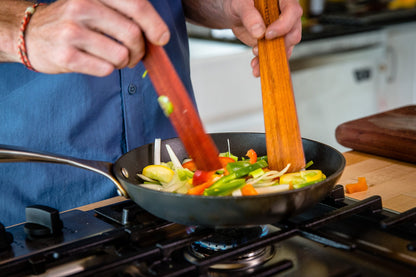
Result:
pixel 399 85
pixel 337 81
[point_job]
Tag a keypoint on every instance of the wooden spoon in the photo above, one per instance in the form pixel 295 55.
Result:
pixel 283 139
pixel 180 109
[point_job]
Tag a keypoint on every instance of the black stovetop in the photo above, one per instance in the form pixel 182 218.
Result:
pixel 337 237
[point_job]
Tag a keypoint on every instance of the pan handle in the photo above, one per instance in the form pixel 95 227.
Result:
pixel 19 154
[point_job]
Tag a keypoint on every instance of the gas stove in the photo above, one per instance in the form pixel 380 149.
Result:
pixel 337 237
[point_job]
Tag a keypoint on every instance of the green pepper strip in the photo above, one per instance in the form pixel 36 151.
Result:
pixel 301 185
pixel 224 185
pixel 232 167
pixel 262 158
pixel 231 186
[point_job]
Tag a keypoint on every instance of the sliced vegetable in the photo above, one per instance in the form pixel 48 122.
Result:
pixel 156 156
pixel 146 179
pixel 189 165
pixel 273 189
pixel 201 177
pixel 223 184
pixel 229 155
pixel 165 104
pixel 153 186
pixel 248 190
pixel 257 173
pixel 236 177
pixel 361 185
pixel 160 173
pixel 144 74
pixel 184 174
pixel 302 178
pixel 308 164
pixel 231 167
pixel 226 160
pixel 246 170
pixel 226 188
pixel 173 158
pixel 252 155
pixel 199 190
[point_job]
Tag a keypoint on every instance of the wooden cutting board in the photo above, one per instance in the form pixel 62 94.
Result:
pixel 390 134
pixel 393 180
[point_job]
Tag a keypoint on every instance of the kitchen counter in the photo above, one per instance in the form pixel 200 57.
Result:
pixel 339 24
pixel 393 180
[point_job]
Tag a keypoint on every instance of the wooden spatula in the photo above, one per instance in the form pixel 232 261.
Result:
pixel 283 139
pixel 180 109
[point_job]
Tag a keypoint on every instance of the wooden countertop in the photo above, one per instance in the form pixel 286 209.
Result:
pixel 393 180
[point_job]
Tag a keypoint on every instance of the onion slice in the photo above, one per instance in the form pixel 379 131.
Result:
pixel 272 189
pixel 156 154
pixel 173 158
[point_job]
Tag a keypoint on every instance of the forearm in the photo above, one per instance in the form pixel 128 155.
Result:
pixel 209 13
pixel 11 15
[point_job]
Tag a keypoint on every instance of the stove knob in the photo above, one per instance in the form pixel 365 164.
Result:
pixel 42 221
pixel 6 238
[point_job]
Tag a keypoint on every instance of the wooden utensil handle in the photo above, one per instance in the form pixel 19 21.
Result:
pixel 283 139
pixel 183 116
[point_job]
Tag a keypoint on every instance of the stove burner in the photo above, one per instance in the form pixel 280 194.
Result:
pixel 225 239
pixel 228 238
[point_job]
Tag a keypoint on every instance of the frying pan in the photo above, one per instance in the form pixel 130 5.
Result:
pixel 209 211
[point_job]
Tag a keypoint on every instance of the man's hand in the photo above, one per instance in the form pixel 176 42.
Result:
pixel 92 36
pixel 248 25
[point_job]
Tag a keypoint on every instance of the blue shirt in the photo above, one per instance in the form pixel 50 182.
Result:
pixel 81 116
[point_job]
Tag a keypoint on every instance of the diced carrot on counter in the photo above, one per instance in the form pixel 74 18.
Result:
pixel 361 185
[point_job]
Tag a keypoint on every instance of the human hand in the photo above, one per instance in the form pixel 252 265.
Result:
pixel 92 37
pixel 248 25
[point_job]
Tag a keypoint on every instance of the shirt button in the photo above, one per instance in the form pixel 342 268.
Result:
pixel 132 89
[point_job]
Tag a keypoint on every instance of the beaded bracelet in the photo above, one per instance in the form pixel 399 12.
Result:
pixel 21 43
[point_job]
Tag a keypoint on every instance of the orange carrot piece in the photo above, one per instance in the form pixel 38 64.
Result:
pixel 248 190
pixel 361 185
pixel 189 165
pixel 199 189
pixel 252 155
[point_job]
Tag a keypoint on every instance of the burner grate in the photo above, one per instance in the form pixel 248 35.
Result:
pixel 337 237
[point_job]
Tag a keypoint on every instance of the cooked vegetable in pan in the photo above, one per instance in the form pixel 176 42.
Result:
pixel 239 176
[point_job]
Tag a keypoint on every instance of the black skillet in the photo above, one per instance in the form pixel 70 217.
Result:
pixel 202 210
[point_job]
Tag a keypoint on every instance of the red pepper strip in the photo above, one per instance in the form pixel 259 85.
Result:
pixel 199 190
pixel 224 161
pixel 248 190
pixel 252 155
pixel 201 177
pixel 361 185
